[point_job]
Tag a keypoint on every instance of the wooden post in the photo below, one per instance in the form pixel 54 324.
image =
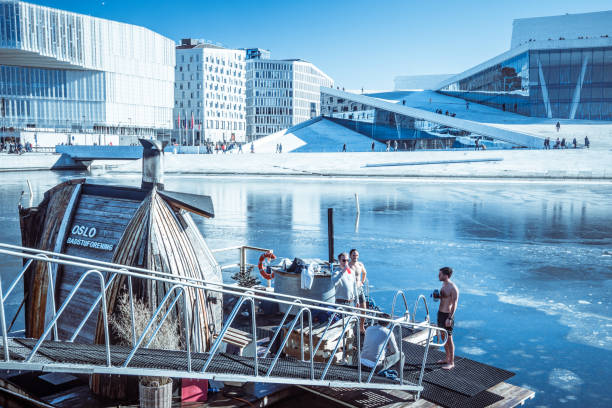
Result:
pixel 242 259
pixel 330 233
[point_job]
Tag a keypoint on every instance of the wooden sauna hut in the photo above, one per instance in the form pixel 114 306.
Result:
pixel 145 227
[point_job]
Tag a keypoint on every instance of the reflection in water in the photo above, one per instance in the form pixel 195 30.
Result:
pixel 535 254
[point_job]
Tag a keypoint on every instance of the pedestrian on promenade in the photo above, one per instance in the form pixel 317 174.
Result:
pixel 586 142
pixel 476 144
pixel 240 147
pixel 574 143
pixel 373 145
pixel 344 147
pixel 449 297
pixel 388 145
pixel 395 145
pixel 558 126
pixel 563 143
pixel 252 148
pixel 280 147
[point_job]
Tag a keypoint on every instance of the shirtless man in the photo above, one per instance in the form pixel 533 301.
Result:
pixel 360 276
pixel 449 296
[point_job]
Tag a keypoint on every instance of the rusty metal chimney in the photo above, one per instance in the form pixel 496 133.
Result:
pixel 152 164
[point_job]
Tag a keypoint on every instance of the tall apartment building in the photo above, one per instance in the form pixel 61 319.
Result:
pixel 68 77
pixel 209 93
pixel 281 94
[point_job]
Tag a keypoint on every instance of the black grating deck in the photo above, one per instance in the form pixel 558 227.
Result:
pixel 95 354
pixel 469 377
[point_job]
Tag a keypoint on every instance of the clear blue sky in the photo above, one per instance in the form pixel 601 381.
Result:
pixel 358 43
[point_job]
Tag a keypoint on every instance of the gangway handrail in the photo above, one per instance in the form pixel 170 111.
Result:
pixel 104 264
pixel 197 283
pixel 91 310
pixel 16 280
pixel 227 325
pixel 111 267
pixel 178 292
pixel 300 314
pixel 63 307
pixel 280 326
pixel 181 292
pixel 383 349
pixel 331 359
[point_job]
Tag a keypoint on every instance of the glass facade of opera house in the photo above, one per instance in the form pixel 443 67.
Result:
pixel 383 125
pixel 571 83
pixel 65 70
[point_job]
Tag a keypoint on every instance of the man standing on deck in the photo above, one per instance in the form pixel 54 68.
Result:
pixel 449 296
pixel 344 280
pixel 360 276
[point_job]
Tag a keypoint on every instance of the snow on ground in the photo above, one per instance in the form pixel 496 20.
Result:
pixel 269 144
pixel 518 163
pixel 578 164
pixel 316 135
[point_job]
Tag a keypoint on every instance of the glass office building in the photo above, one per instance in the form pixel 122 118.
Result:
pixel 60 70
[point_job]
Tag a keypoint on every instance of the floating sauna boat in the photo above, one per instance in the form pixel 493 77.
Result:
pixel 145 227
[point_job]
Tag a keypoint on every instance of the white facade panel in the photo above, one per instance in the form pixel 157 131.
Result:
pixel 87 71
pixel 565 27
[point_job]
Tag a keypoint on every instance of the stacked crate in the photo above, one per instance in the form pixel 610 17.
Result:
pixel 345 350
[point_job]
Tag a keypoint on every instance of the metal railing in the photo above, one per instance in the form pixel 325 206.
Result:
pixel 106 273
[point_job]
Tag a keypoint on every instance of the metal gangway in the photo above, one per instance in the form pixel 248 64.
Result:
pixel 49 353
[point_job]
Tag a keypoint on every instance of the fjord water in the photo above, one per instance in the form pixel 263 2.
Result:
pixel 533 260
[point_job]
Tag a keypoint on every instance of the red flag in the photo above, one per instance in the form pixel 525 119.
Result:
pixel 192 120
pixel 178 121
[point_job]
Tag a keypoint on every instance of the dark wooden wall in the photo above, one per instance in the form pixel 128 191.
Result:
pixel 110 216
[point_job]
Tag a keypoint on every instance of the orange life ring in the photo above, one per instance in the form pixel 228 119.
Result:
pixel 262 270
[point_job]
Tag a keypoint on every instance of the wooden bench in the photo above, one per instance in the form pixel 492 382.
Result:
pixel 238 341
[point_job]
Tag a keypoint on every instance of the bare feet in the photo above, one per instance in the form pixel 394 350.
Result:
pixel 442 362
pixel 448 366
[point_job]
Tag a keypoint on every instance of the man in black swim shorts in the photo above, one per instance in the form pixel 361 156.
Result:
pixel 449 297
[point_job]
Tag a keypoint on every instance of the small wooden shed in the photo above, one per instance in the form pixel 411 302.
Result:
pixel 144 227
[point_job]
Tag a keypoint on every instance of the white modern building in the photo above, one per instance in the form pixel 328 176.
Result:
pixel 67 77
pixel 281 94
pixel 557 67
pixel 209 93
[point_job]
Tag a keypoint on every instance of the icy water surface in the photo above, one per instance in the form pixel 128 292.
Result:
pixel 533 260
